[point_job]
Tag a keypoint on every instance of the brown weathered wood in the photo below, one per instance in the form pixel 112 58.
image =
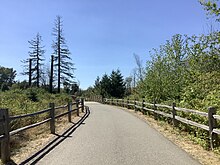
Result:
pixel 155 109
pixel 174 114
pixel 212 125
pixel 148 109
pixel 77 108
pixel 83 104
pixel 164 106
pixel 217 131
pixel 216 117
pixel 62 106
pixel 192 111
pixel 28 127
pixel 5 142
pixel 162 113
pixel 186 121
pixel 135 104
pixel 142 108
pixel 138 107
pixel 52 117
pixel 29 115
pixel 127 103
pixel 69 110
pixel 149 104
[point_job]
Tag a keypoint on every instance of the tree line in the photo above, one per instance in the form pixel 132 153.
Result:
pixel 59 74
pixel 185 69
pixel 112 85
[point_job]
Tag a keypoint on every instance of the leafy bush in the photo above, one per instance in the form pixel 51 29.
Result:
pixel 28 101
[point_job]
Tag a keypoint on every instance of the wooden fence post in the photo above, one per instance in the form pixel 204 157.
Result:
pixel 69 110
pixel 122 102
pixel 155 108
pixel 5 129
pixel 127 103
pixel 174 114
pixel 143 111
pixel 82 102
pixel 77 107
pixel 116 102
pixel 212 125
pixel 52 116
pixel 135 103
pixel 112 101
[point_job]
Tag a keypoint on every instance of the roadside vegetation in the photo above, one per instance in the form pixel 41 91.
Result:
pixel 185 70
pixel 44 85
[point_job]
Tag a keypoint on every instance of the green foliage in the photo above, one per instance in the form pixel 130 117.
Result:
pixel 164 78
pixel 105 86
pixel 20 85
pixel 108 86
pixel 28 101
pixel 7 76
pixel 62 56
pixel 212 8
pixel 117 84
pixel 185 70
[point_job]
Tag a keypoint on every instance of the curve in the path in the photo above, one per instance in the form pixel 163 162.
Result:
pixel 110 136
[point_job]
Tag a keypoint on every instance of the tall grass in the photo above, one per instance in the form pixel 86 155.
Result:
pixel 28 101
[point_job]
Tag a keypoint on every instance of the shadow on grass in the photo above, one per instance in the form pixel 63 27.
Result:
pixel 33 159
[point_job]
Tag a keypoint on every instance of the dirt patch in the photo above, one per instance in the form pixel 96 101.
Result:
pixel 25 144
pixel 181 139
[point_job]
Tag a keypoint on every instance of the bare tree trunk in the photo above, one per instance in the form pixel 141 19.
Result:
pixel 38 69
pixel 58 47
pixel 30 71
pixel 51 74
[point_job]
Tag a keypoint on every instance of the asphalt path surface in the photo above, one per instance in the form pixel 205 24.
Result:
pixel 111 136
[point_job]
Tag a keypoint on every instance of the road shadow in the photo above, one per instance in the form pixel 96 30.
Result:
pixel 33 159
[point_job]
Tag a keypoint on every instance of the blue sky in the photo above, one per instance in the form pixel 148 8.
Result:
pixel 102 35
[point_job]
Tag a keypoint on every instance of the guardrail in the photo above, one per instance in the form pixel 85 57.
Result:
pixel 145 107
pixel 5 119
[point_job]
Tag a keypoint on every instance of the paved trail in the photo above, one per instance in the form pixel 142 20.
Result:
pixel 110 136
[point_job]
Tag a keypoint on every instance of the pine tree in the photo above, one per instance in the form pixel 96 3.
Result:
pixel 62 54
pixel 117 84
pixel 36 57
pixel 105 86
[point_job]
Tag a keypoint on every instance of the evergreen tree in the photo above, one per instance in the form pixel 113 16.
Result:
pixel 97 86
pixel 105 86
pixel 117 84
pixel 62 54
pixel 36 55
pixel 7 76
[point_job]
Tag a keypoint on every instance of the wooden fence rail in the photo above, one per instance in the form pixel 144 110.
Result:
pixel 5 119
pixel 144 107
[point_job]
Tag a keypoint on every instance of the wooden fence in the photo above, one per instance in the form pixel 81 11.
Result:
pixel 5 119
pixel 143 106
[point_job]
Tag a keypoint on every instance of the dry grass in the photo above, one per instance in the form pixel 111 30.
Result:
pixel 181 139
pixel 30 141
